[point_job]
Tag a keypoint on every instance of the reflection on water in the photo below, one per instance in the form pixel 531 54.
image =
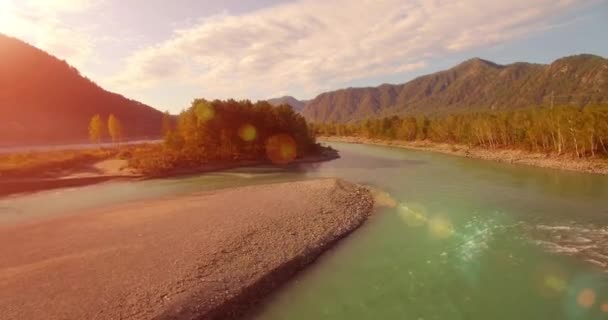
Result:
pixel 358 161
pixel 456 238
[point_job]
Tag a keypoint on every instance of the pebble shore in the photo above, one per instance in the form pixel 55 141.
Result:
pixel 212 255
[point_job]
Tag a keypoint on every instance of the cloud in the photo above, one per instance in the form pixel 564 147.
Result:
pixel 41 23
pixel 58 6
pixel 314 45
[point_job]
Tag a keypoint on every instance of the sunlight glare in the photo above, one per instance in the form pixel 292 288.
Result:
pixel 247 132
pixel 382 199
pixel 204 112
pixel 12 22
pixel 412 215
pixel 281 149
pixel 555 283
pixel 440 227
pixel 551 279
pixel 7 25
pixel 586 298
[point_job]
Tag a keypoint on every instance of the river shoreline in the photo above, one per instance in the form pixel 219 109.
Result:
pixel 12 186
pixel 594 166
pixel 210 255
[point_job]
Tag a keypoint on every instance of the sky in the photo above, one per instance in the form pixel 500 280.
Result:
pixel 166 53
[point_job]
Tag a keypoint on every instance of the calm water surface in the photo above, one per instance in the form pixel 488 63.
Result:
pixel 469 239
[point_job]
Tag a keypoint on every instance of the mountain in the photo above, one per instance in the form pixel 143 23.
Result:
pixel 475 84
pixel 296 104
pixel 45 100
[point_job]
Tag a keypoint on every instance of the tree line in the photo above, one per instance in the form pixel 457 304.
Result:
pixel 97 130
pixel 229 130
pixel 582 132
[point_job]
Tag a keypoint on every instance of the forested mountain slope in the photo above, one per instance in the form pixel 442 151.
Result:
pixel 45 100
pixel 473 85
pixel 296 105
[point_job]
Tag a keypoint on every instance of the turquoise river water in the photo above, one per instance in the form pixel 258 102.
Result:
pixel 468 239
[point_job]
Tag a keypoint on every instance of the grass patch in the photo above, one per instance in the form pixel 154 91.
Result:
pixel 50 163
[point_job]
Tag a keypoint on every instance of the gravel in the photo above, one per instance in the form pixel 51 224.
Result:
pixel 212 255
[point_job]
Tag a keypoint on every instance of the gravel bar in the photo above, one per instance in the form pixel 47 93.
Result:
pixel 211 255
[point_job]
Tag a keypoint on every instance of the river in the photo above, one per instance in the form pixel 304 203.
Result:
pixel 469 239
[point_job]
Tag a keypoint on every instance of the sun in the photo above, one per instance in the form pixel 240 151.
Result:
pixel 5 7
pixel 9 21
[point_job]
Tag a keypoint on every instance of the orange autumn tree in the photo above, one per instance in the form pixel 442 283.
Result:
pixel 95 129
pixel 227 130
pixel 115 129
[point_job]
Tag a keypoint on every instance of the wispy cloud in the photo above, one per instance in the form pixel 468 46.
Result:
pixel 315 45
pixel 303 47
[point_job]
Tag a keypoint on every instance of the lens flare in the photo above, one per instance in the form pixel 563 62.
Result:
pixel 586 298
pixel 412 216
pixel 281 149
pixel 382 199
pixel 440 227
pixel 604 307
pixel 551 280
pixel 555 283
pixel 204 112
pixel 247 132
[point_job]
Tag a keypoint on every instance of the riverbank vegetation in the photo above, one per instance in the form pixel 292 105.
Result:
pixel 50 164
pixel 228 131
pixel 206 135
pixel 561 130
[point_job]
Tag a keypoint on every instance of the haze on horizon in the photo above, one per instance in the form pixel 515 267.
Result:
pixel 165 54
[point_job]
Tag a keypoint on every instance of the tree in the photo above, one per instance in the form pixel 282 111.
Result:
pixel 212 130
pixel 167 126
pixel 560 130
pixel 95 129
pixel 114 128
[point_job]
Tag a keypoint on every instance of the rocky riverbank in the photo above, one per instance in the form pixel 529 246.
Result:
pixel 212 255
pixel 597 166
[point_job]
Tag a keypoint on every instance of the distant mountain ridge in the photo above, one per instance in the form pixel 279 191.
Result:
pixel 45 100
pixel 475 84
pixel 296 104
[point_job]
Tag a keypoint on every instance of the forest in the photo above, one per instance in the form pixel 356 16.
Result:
pixel 581 132
pixel 213 131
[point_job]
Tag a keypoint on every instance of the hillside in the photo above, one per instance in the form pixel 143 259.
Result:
pixel 475 84
pixel 296 105
pixel 45 100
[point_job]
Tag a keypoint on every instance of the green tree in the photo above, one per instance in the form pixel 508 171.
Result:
pixel 95 129
pixel 115 128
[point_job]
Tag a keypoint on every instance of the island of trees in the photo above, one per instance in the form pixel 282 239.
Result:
pixel 223 131
pixel 581 132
